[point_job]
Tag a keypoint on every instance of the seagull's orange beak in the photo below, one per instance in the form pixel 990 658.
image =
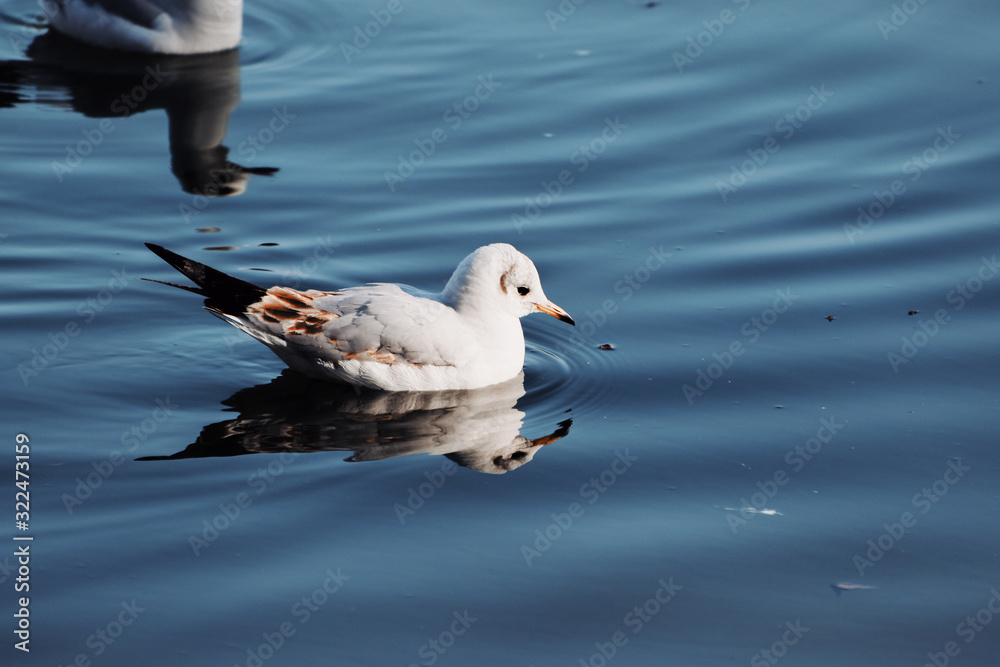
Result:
pixel 555 311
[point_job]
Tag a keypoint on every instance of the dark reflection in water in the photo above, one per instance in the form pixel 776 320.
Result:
pixel 198 93
pixel 478 429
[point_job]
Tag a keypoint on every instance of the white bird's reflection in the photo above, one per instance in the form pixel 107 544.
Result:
pixel 197 92
pixel 478 429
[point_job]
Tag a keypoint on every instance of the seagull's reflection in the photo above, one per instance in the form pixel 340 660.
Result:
pixel 198 93
pixel 478 429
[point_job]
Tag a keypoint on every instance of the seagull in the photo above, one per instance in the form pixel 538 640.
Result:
pixel 178 27
pixel 385 336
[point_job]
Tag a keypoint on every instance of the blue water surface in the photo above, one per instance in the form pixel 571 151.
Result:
pixel 782 217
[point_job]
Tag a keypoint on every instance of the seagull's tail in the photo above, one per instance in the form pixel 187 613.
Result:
pixel 223 293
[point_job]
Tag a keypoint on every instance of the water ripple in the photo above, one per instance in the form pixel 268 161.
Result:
pixel 563 375
pixel 285 36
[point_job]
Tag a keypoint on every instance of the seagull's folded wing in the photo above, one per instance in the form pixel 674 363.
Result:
pixel 383 323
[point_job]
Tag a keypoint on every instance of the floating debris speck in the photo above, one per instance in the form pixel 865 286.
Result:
pixel 841 587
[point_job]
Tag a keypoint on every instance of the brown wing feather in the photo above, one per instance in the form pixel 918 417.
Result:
pixel 293 310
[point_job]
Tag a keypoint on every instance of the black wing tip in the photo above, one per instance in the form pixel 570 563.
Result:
pixel 189 288
pixel 228 294
pixel 169 256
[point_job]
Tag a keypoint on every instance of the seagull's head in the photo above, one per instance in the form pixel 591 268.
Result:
pixel 501 274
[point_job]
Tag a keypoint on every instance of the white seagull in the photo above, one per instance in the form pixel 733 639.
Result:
pixel 180 27
pixel 385 336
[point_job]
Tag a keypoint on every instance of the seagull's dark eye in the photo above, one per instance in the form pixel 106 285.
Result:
pixel 522 290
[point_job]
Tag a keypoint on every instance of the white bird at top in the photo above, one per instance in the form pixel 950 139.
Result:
pixel 179 27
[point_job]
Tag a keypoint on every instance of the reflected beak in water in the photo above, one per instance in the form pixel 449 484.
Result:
pixel 555 311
